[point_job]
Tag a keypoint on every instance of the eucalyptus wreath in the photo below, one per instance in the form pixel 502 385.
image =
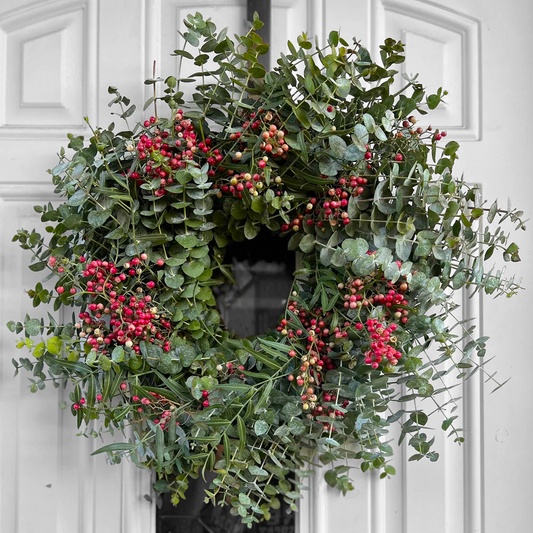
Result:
pixel 321 151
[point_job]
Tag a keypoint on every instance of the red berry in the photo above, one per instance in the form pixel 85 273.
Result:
pixel 398 157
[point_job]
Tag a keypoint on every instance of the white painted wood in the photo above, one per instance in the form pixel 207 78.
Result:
pixel 483 485
pixel 474 49
pixel 52 41
pixel 442 45
pixel 49 53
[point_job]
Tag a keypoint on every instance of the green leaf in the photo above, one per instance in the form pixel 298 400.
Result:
pixel 333 38
pixel 369 122
pixel 338 258
pixel 296 427
pixel 331 478
pixel 241 430
pixel 258 204
pixel 343 87
pixel 448 422
pixel 118 354
pixel 329 167
pixel 115 447
pixel 294 241
pixel 260 427
pixel 353 153
pixel 39 350
pixel 433 101
pixel 451 148
pixel 291 409
pixel 72 221
pixel 227 450
pixel 257 471
pixel 492 211
pixel 437 326
pixel 33 327
pixel 354 248
pixel 403 247
pixel 78 198
pixel 307 244
pixel 419 418
pixel 302 116
pixel 388 120
pixel 337 145
pixel 244 499
pixel 193 269
pixel 117 233
pixel 98 218
pixel 187 241
pixel 250 230
pixel 238 211
pixel 183 53
pixel 360 137
pixel 151 352
pixel 104 362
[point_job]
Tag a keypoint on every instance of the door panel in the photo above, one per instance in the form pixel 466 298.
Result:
pixel 60 56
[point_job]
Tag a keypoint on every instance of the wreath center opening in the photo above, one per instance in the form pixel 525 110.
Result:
pixel 263 273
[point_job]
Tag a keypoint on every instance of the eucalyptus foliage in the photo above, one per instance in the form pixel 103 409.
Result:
pixel 323 152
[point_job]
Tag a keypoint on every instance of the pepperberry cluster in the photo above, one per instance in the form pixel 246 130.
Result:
pixel 331 208
pixel 158 408
pixel 122 312
pixel 317 346
pixel 161 156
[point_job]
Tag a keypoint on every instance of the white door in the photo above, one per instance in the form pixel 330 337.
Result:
pixel 59 56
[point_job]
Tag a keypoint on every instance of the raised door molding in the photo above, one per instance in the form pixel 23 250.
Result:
pixel 443 46
pixel 48 51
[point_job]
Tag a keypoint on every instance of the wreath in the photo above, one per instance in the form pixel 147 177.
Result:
pixel 321 151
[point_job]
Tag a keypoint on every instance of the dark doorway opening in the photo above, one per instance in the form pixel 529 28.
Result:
pixel 263 269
